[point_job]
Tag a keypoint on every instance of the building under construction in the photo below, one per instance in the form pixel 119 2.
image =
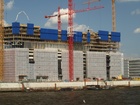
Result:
pixel 40 54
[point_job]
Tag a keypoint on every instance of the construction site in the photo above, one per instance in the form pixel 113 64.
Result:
pixel 31 53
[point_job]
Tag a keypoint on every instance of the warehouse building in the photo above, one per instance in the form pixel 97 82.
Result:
pixel 40 54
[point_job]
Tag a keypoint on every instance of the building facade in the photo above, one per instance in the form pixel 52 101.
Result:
pixel 39 54
pixel 126 68
pixel 134 68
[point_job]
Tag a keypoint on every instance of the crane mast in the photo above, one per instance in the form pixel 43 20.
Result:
pixel 113 16
pixel 59 21
pixel 1 38
pixel 70 31
pixel 70 38
pixel 90 1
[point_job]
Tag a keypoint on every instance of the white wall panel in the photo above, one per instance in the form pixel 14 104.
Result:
pixel 96 64
pixel 116 63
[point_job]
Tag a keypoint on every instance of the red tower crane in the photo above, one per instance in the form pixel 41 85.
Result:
pixel 90 1
pixel 74 11
pixel 70 25
pixel 70 38
pixel 59 20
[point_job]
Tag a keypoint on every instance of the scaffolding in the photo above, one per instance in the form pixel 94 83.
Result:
pixel 23 40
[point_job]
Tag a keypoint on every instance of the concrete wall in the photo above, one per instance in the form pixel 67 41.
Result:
pixel 116 64
pixel 56 85
pixel 77 66
pixel 96 64
pixel 17 64
pixel 46 64
pixel 9 65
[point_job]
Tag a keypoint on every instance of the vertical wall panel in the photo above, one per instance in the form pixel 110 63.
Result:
pixel 78 65
pixel 116 64
pixel 9 65
pixel 46 64
pixel 21 62
pixel 65 65
pixel 96 64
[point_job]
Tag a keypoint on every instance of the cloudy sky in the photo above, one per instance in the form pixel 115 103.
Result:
pixel 127 18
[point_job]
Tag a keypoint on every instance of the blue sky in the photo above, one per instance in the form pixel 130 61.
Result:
pixel 127 18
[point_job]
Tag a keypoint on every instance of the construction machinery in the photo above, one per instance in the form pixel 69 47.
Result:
pixel 74 11
pixel 70 38
pixel 70 13
pixel 90 1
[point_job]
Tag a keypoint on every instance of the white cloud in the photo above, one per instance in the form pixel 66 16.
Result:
pixel 53 22
pixel 9 5
pixel 136 12
pixel 128 0
pixel 80 27
pixel 137 31
pixel 5 23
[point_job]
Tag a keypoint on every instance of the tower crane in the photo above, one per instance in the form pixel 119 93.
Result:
pixel 74 11
pixel 70 26
pixel 59 21
pixel 113 16
pixel 90 1
pixel 1 38
pixel 70 38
